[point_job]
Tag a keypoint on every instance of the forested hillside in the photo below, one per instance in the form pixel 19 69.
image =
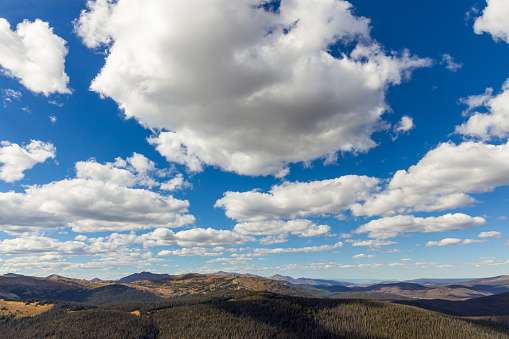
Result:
pixel 247 314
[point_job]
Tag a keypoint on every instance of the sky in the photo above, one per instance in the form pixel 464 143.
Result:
pixel 309 138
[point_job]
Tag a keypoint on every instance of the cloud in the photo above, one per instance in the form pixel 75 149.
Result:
pixel 34 55
pixel 136 170
pixel 10 94
pixel 489 262
pixel 175 184
pixel 274 239
pixel 432 265
pixel 494 20
pixel 364 256
pixel 452 242
pixel 38 245
pixel 450 64
pixel 303 228
pixel 196 237
pixel 393 250
pixel 391 227
pixel 244 88
pixel 100 198
pixel 404 125
pixel 491 125
pixel 16 159
pixel 230 261
pixel 187 252
pixel 298 199
pixel 490 234
pixel 322 248
pixel 474 101
pixel 41 264
pixel 441 180
pixel 372 243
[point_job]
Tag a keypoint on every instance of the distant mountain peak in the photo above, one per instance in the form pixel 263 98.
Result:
pixel 141 276
pixel 281 277
pixel 13 275
pixel 56 276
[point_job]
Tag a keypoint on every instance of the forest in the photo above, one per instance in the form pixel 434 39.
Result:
pixel 249 314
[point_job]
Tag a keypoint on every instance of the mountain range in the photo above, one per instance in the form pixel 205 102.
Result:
pixel 145 286
pixel 205 303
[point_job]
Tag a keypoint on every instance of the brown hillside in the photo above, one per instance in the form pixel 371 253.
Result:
pixel 197 284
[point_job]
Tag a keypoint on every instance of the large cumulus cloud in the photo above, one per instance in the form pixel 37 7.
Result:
pixel 101 197
pixel 234 85
pixel 34 55
pixel 494 20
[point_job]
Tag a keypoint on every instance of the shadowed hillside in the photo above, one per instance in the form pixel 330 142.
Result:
pixel 140 276
pixel 246 314
pixel 494 305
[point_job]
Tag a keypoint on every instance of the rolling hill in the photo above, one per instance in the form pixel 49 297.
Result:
pixel 247 314
pixel 459 290
pixel 153 287
pixel 195 284
pixel 493 305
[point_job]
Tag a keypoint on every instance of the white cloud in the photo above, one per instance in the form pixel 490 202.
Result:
pixel 175 184
pixel 34 55
pixel 372 243
pixel 322 248
pixel 298 199
pixel 274 239
pixel 16 159
pixel 452 242
pixel 441 180
pixel 432 265
pixel 53 119
pixel 490 234
pixel 364 256
pixel 240 87
pixel 10 94
pixel 450 64
pixel 393 250
pixel 304 228
pixel 196 237
pixel 135 170
pixel 230 261
pixel 40 264
pixel 38 245
pixel 187 252
pixel 494 20
pixel 391 227
pixel 489 262
pixel 491 125
pixel 404 125
pixel 98 199
pixel 474 101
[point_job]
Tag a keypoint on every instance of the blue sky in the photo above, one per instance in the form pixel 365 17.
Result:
pixel 305 138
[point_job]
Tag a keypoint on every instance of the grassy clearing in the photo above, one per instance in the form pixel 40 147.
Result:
pixel 20 309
